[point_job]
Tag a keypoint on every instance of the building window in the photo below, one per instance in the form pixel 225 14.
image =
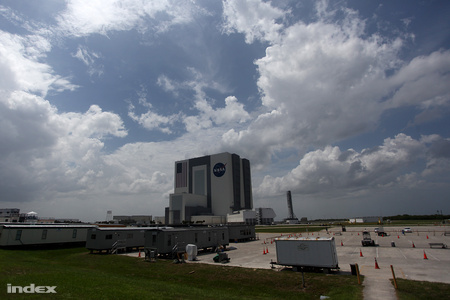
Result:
pixel 74 234
pixel 18 235
pixel 108 237
pixel 93 236
pixel 44 234
pixel 154 239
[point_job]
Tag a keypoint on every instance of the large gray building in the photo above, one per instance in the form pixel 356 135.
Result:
pixel 215 185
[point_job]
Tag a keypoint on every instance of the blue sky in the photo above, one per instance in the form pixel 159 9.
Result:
pixel 344 103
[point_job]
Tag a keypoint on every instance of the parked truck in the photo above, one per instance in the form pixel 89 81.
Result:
pixel 307 253
pixel 367 240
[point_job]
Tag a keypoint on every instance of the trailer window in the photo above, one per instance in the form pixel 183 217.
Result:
pixel 108 237
pixel 18 234
pixel 74 234
pixel 223 235
pixel 154 239
pixel 169 240
pixel 93 236
pixel 44 234
pixel 196 237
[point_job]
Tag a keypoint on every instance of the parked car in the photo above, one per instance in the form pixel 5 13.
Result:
pixel 380 231
pixel 407 230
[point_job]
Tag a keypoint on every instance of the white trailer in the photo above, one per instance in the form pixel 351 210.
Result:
pixel 114 239
pixel 307 253
pixel 23 235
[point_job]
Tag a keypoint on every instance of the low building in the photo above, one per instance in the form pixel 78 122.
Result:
pixel 371 219
pixel 9 215
pixel 265 216
pixel 159 220
pixel 208 219
pixel 243 217
pixel 139 220
pixel 260 216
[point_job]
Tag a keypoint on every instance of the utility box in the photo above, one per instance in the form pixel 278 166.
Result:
pixel 313 253
pixel 191 251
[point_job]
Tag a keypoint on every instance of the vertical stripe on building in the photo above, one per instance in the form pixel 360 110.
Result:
pixel 181 175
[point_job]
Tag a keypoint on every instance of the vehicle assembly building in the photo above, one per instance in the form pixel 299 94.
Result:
pixel 213 185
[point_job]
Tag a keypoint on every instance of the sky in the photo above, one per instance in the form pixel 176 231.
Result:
pixel 344 103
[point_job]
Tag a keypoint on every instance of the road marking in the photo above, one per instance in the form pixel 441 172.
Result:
pixel 428 254
pixel 399 250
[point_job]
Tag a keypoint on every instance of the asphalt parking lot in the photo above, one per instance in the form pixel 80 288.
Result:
pixel 408 262
pixel 417 263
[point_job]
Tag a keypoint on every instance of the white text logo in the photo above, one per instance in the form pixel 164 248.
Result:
pixel 31 289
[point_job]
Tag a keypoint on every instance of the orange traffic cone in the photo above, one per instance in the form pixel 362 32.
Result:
pixel 360 253
pixel 414 246
pixel 376 264
pixel 139 253
pixel 267 250
pixel 427 236
pixel 424 255
pixel 342 244
pixel 398 236
pixel 264 251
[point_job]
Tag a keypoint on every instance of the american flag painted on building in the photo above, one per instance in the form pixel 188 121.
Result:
pixel 181 175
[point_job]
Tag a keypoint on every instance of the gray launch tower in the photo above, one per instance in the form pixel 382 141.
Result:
pixel 292 219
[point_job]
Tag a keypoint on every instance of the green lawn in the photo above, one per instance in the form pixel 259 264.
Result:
pixel 80 275
pixel 418 290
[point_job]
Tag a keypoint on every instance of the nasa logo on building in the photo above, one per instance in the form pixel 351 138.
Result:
pixel 219 169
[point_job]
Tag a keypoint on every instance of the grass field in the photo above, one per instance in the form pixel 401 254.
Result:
pixel 418 290
pixel 80 275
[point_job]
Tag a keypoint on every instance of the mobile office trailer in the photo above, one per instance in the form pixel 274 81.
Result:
pixel 307 253
pixel 14 235
pixel 110 238
pixel 241 232
pixel 170 240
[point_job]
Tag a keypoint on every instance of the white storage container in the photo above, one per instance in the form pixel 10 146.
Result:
pixel 307 252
